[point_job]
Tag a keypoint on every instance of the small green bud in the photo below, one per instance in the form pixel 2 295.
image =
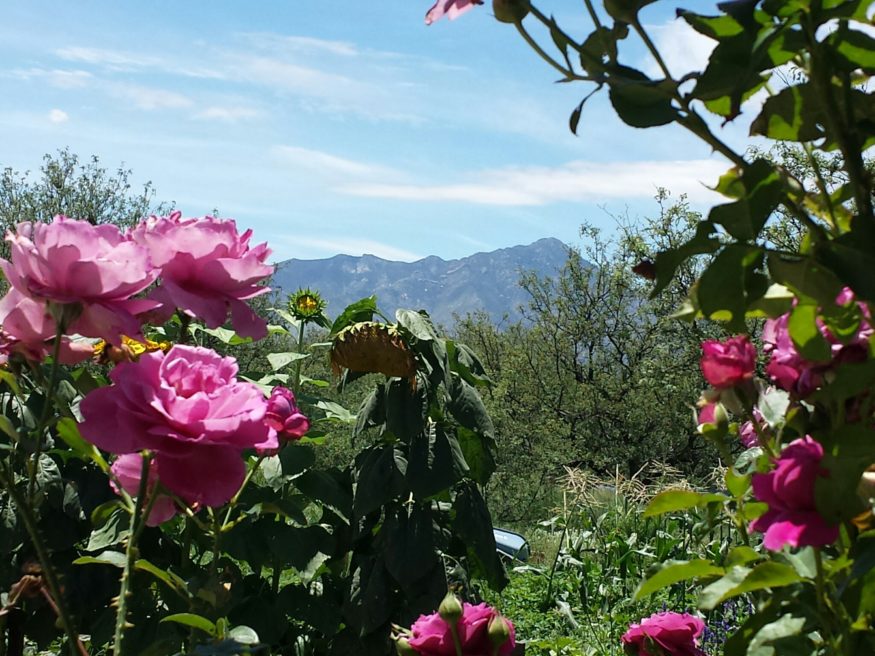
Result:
pixel 498 630
pixel 450 609
pixel 510 11
pixel 402 646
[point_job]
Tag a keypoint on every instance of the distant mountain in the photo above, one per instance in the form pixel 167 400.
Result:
pixel 483 281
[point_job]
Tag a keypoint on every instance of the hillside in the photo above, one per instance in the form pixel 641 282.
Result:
pixel 483 281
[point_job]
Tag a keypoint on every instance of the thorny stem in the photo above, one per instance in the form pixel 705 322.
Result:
pixel 138 522
pixel 48 570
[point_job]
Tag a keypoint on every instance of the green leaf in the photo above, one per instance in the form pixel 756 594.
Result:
pixel 675 571
pixel 174 582
pixel 704 241
pixel 806 336
pixel 336 411
pixel 639 101
pixel 793 114
pixel 405 409
pixel 856 48
pixel 741 580
pixel 7 427
pixel 324 487
pixel 737 484
pixel 434 462
pixel 745 218
pixel 806 277
pixel 68 431
pixel 473 525
pixel 114 558
pixel 111 528
pixel 468 408
pixel 192 620
pixel 674 500
pixel 379 478
pixel 361 310
pixel 731 283
pixel 742 555
pixel 295 459
pixel 417 324
pixel 714 27
pixel 280 360
pixel 410 549
pixel 11 381
pixel 773 405
pixel 372 411
pixel 476 451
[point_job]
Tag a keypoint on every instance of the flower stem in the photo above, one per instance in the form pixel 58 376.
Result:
pixel 297 384
pixel 48 571
pixel 454 631
pixel 44 417
pixel 138 522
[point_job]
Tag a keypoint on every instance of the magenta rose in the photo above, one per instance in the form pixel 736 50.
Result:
pixel 69 262
pixel 128 470
pixel 284 416
pixel 729 363
pixel 189 408
pixel 665 634
pixel 432 636
pixel 792 518
pixel 452 9
pixel 207 269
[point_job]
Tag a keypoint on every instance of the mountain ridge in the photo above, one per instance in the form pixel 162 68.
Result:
pixel 486 280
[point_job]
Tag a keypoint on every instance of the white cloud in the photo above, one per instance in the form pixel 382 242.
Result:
pixel 682 48
pixel 60 78
pixel 303 44
pixel 150 98
pixel 228 114
pixel 309 248
pixel 572 182
pixel 58 116
pixel 118 60
pixel 316 161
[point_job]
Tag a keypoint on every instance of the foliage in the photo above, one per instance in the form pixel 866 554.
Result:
pixel 813 499
pixel 302 556
pixel 598 375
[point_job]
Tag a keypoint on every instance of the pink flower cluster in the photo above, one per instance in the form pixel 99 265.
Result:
pixel 87 279
pixel 665 634
pixel 432 635
pixel 189 409
pixel 792 518
pixel 790 371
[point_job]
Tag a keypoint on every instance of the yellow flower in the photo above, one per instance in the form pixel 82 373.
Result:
pixel 129 350
pixel 305 304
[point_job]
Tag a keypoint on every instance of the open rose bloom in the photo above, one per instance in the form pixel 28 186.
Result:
pixel 188 407
pixel 665 634
pixel 88 273
pixel 728 363
pixel 792 519
pixel 207 269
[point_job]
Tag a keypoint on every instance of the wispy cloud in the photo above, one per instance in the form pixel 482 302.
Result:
pixel 308 248
pixel 150 98
pixel 228 114
pixel 304 44
pixel 574 181
pixel 682 48
pixel 56 77
pixel 124 61
pixel 317 161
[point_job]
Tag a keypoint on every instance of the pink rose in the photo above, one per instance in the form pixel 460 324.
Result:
pixel 284 416
pixel 207 269
pixel 665 634
pixel 452 9
pixel 792 518
pixel 189 408
pixel 727 364
pixel 747 433
pixel 128 469
pixel 74 263
pixel 432 636
pixel 29 330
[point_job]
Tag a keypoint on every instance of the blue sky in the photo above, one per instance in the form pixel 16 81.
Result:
pixel 341 126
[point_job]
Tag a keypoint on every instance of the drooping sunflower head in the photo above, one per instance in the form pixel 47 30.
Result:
pixel 306 305
pixel 373 347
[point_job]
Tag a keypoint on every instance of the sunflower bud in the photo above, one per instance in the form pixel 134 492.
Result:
pixel 450 609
